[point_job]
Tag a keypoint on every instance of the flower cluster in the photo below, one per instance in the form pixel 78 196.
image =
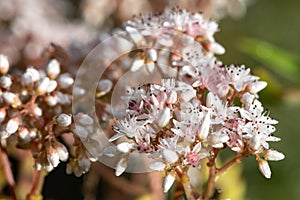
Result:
pixel 203 108
pixel 35 115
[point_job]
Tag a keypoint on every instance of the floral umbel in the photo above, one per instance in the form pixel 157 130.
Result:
pixel 201 109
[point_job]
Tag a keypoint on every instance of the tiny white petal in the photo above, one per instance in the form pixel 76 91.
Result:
pixel 168 182
pixel 204 129
pixel 152 54
pixel 216 48
pixel 53 158
pixel 62 153
pixel 137 64
pixel 124 147
pixel 12 126
pixel 255 142
pixel 121 166
pixel 274 155
pixel 164 117
pixel 116 136
pixel 157 166
pixel 257 86
pixel 170 156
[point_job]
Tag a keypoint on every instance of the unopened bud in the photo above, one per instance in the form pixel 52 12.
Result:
pixel 65 80
pixel 64 120
pixel 11 99
pixel 5 82
pixel 12 125
pixel 4 64
pixel 2 114
pixel 53 69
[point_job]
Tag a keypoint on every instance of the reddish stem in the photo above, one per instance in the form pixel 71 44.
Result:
pixel 234 160
pixel 7 172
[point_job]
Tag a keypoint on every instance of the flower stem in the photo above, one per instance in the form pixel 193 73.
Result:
pixel 234 160
pixel 37 182
pixel 7 172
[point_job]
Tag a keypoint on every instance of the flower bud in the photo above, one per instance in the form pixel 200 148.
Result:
pixel 30 76
pixel 43 85
pixel 64 120
pixel 5 82
pixel 37 110
pixel 50 100
pixel 53 157
pixel 84 164
pixel 53 69
pixel 24 135
pixel 11 99
pixel 2 114
pixel 264 168
pixel 104 86
pixel 168 182
pixel 84 119
pixel 12 125
pixel 62 152
pixel 65 80
pixel 121 166
pixel 4 64
pixel 273 155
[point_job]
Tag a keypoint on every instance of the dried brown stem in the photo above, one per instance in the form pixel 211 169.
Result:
pixel 7 172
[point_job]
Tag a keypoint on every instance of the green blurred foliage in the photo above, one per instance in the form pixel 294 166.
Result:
pixel 266 39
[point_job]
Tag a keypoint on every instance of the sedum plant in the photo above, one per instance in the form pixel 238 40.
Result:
pixel 199 108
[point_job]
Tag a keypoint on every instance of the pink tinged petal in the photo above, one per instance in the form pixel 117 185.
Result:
pixel 170 156
pixel 274 155
pixel 157 166
pixel 124 147
pixel 216 48
pixel 257 86
pixel 164 117
pixel 137 64
pixel 168 182
pixel 264 168
pixel 204 129
pixel 255 142
pixel 121 166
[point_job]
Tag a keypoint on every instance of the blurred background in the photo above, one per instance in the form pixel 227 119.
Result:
pixel 263 35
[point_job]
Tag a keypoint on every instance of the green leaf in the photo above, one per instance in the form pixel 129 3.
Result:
pixel 276 59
